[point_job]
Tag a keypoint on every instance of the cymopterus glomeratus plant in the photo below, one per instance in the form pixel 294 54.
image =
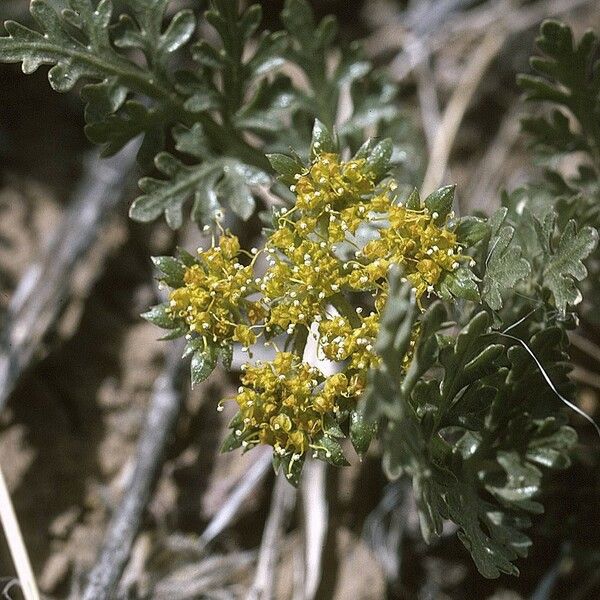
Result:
pixel 380 313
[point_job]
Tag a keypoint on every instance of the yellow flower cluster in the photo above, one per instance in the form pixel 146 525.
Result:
pixel 298 281
pixel 213 300
pixel 307 275
pixel 283 403
pixel 413 240
pixel 317 271
pixel 333 200
pixel 340 342
pixel 329 182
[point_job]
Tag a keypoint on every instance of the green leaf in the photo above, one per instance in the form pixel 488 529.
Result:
pixel 353 66
pixel 405 452
pixel 471 230
pixel 234 187
pixel 172 270
pixel 286 166
pixel 468 359
pixel 178 33
pixel 440 202
pixel 266 112
pixel 553 135
pixel 250 20
pixel 208 184
pixel 268 54
pixel 72 59
pixel 158 315
pixel 569 81
pixel 505 266
pixel 413 201
pixel 231 442
pixel 523 479
pixel 570 77
pixel 298 18
pixel 426 349
pixel 237 73
pixel 203 364
pixel 378 161
pixel 327 448
pixel 551 449
pixel 78 45
pixel 219 102
pixel 226 354
pixel 361 432
pixel 396 324
pixel 486 481
pixel 291 465
pixel 375 105
pixel 115 130
pixel 193 141
pixel 393 342
pixel 565 265
pixel 461 283
pixel 186 258
pixel 173 334
pixel 103 98
pixel 322 140
pixel 193 345
pixel 309 47
pixel 469 511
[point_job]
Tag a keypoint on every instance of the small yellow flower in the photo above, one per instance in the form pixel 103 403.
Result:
pixel 282 238
pixel 230 246
pixel 244 335
pixel 299 283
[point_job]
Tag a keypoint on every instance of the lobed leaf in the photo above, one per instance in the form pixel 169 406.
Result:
pixel 504 267
pixel 565 265
pixel 209 184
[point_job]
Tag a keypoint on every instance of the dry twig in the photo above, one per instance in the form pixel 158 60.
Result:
pixel 18 551
pixel 384 528
pixel 487 176
pixel 585 377
pixel 433 37
pixel 45 288
pixel 429 103
pixel 585 345
pixel 162 414
pixel 457 106
pixel 282 504
pixel 315 519
pixel 202 579
pixel 240 492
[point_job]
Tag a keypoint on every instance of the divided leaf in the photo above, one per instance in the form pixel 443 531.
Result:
pixel 569 81
pixel 80 45
pixel 565 265
pixel 223 97
pixel 209 184
pixel 570 77
pixel 485 390
pixel 505 265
